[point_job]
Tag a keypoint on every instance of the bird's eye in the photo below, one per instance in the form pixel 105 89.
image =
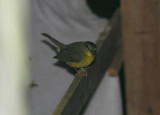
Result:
pixel 87 47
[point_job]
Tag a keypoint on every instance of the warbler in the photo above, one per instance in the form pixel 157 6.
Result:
pixel 77 55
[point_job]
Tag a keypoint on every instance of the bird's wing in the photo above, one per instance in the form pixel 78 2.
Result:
pixel 70 55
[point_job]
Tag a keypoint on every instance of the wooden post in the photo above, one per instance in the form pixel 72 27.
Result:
pixel 14 69
pixel 141 40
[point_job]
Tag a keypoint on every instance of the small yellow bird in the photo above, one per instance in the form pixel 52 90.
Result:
pixel 77 55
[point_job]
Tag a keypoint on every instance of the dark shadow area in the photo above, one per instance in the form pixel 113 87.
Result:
pixel 88 101
pixel 86 104
pixel 122 85
pixel 103 8
pixel 59 63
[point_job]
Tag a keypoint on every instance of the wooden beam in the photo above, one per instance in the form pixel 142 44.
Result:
pixel 141 39
pixel 82 88
pixel 116 63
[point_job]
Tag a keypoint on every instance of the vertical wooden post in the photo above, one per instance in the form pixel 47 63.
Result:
pixel 14 69
pixel 141 40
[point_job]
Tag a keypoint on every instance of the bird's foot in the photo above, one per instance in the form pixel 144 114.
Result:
pixel 81 72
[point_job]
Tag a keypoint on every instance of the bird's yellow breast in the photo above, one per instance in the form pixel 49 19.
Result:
pixel 87 60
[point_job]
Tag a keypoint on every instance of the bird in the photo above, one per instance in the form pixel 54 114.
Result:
pixel 77 55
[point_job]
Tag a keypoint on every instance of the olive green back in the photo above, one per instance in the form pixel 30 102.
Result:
pixel 73 52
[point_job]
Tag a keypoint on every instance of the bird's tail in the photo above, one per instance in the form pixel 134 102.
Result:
pixel 58 44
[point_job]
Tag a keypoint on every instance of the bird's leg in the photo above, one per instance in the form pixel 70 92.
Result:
pixel 81 71
pixel 78 72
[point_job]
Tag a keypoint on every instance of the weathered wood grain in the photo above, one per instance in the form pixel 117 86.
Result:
pixel 82 88
pixel 141 39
